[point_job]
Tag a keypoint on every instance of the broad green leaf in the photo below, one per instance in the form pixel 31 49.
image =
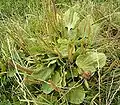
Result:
pixel 87 29
pixel 63 46
pixel 70 18
pixel 46 88
pixel 90 61
pixel 76 95
pixel 43 73
pixel 57 79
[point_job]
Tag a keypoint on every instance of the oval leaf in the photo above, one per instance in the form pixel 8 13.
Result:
pixel 46 88
pixel 70 18
pixel 43 74
pixel 76 95
pixel 90 61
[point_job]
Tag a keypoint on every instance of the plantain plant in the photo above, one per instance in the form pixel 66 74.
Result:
pixel 61 52
pixel 55 52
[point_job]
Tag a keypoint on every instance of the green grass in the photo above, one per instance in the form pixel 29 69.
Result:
pixel 47 54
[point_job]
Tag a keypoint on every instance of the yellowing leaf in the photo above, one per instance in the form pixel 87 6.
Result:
pixel 90 61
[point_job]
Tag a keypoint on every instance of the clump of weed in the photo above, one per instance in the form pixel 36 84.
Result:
pixel 58 53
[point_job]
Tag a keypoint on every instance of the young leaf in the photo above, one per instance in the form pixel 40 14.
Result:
pixel 70 18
